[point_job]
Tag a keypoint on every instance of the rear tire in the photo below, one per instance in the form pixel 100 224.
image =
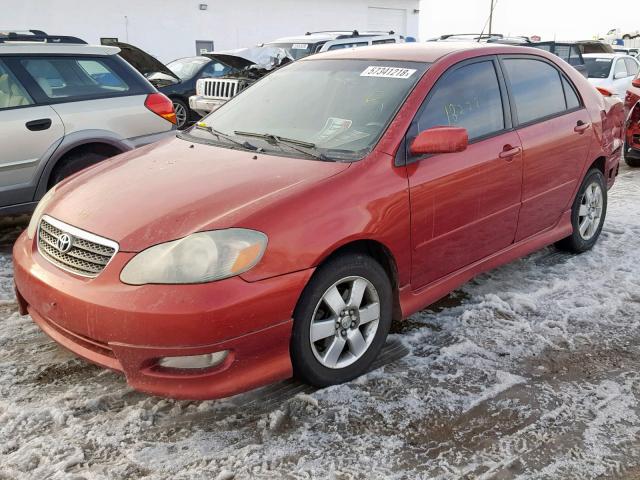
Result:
pixel 341 321
pixel 73 164
pixel 182 113
pixel 587 214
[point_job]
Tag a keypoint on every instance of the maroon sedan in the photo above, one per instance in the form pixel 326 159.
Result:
pixel 283 234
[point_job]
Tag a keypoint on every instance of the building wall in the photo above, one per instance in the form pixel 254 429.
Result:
pixel 168 29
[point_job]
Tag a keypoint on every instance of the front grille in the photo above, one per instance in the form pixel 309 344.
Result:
pixel 221 89
pixel 72 249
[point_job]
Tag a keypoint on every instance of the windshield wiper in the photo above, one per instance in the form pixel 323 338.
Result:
pixel 291 142
pixel 219 135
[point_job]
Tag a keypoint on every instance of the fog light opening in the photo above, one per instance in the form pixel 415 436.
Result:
pixel 194 362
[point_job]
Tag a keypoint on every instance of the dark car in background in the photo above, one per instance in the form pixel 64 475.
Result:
pixel 177 79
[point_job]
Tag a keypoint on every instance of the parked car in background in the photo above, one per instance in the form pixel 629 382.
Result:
pixel 314 42
pixel 618 34
pixel 613 72
pixel 249 64
pixel 212 93
pixel 337 194
pixel 177 80
pixel 632 115
pixel 65 106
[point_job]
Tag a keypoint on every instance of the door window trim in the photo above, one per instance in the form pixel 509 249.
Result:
pixel 514 112
pixel 412 131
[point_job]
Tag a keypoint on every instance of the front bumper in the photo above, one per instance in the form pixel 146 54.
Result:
pixel 129 328
pixel 203 105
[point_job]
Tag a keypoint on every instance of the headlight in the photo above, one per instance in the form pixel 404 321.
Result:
pixel 37 214
pixel 199 258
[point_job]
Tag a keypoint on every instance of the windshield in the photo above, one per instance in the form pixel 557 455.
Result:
pixel 186 68
pixel 296 50
pixel 337 108
pixel 598 67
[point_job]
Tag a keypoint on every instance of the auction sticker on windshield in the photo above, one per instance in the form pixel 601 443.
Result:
pixel 387 72
pixel 300 46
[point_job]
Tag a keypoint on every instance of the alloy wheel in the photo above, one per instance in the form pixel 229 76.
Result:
pixel 590 211
pixel 181 114
pixel 345 322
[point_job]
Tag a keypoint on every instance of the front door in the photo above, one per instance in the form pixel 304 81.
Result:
pixel 464 206
pixel 553 127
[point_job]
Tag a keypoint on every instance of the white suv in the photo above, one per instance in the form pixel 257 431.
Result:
pixel 65 106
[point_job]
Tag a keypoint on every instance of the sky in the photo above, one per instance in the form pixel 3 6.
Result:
pixel 559 19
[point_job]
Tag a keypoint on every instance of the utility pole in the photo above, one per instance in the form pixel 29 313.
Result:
pixel 491 18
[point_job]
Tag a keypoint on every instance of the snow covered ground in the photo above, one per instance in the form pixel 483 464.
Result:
pixel 530 371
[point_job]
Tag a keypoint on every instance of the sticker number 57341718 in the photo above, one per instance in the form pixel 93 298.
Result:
pixel 387 72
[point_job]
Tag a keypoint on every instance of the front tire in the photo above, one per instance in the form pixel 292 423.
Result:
pixel 341 321
pixel 587 214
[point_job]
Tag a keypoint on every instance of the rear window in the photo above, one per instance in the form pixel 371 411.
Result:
pixel 598 67
pixel 69 78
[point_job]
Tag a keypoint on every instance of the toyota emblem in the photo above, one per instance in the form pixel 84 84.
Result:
pixel 64 243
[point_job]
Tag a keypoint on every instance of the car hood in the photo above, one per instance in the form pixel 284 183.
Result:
pixel 171 189
pixel 140 60
pixel 265 57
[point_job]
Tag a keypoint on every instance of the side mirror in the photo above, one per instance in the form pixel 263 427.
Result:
pixel 620 75
pixel 440 140
pixel 636 83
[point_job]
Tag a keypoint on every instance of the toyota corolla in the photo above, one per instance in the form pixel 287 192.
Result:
pixel 284 233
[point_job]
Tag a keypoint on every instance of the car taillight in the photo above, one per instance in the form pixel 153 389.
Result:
pixel 161 105
pixel 605 92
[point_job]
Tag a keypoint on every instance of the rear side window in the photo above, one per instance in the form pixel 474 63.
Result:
pixel 12 93
pixel 632 66
pixel 71 78
pixel 536 87
pixel 469 97
pixel 572 97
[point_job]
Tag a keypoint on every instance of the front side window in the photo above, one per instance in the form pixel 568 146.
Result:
pixel 12 93
pixel 620 69
pixel 536 87
pixel 469 97
pixel 337 108
pixel 68 77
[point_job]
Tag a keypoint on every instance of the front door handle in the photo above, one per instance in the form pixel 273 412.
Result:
pixel 581 127
pixel 509 152
pixel 37 125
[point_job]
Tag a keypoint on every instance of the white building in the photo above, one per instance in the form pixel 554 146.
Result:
pixel 170 29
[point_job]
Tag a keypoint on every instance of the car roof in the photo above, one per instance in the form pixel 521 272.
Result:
pixel 428 52
pixel 41 48
pixel 314 37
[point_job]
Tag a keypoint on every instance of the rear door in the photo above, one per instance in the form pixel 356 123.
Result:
pixel 464 206
pixel 553 127
pixel 32 132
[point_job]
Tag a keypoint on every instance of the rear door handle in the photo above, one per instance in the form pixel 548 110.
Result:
pixel 509 152
pixel 581 127
pixel 37 125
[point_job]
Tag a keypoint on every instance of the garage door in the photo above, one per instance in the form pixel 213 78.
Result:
pixel 387 19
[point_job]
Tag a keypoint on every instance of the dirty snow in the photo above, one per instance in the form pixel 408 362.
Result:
pixel 529 371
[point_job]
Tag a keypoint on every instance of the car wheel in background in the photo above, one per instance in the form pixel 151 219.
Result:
pixel 631 156
pixel 341 321
pixel 182 113
pixel 587 214
pixel 73 163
